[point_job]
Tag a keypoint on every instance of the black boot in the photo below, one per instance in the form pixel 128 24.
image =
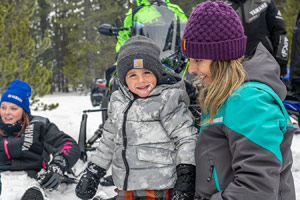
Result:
pixel 33 193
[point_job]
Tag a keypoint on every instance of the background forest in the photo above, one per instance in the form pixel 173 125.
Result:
pixel 54 44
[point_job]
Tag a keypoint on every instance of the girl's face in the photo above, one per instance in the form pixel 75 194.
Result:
pixel 10 113
pixel 140 81
pixel 201 67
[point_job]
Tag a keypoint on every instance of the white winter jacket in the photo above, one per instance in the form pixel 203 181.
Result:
pixel 146 138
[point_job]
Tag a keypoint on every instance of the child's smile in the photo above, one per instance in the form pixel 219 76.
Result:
pixel 141 81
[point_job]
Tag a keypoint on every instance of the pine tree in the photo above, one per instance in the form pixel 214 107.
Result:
pixel 18 50
pixel 89 53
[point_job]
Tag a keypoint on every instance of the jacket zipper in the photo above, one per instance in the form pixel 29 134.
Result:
pixel 211 171
pixel 125 146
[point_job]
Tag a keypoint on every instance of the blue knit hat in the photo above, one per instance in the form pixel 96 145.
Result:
pixel 18 92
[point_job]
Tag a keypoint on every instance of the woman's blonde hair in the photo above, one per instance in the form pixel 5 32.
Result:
pixel 227 76
pixel 25 123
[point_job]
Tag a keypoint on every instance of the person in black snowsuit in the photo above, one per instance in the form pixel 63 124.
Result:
pixel 263 22
pixel 295 60
pixel 27 142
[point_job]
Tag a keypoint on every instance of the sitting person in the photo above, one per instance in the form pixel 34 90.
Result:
pixel 27 142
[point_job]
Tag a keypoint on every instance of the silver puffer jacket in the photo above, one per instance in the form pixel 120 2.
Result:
pixel 146 138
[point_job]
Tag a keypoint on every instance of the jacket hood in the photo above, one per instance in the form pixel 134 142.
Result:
pixel 262 67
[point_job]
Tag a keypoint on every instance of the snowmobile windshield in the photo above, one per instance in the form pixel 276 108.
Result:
pixel 165 29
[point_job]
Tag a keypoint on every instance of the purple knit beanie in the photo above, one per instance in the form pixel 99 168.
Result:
pixel 213 31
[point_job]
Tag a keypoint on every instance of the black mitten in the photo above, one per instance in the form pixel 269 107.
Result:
pixel 88 183
pixel 51 177
pixel 184 188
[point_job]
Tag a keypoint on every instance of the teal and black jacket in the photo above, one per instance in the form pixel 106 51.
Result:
pixel 245 153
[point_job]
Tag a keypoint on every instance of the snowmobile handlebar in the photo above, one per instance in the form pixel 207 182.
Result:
pixel 109 30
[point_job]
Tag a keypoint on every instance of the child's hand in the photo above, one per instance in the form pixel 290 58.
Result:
pixel 88 184
pixel 184 188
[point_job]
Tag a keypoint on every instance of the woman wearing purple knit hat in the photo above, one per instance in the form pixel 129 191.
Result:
pixel 243 148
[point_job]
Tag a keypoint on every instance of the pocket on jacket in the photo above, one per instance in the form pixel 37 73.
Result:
pixel 155 155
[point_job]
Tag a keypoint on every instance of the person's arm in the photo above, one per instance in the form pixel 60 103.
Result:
pixel 178 11
pixel 100 160
pixel 59 143
pixel 278 35
pixel 11 147
pixel 62 147
pixel 179 124
pixel 255 129
pixel 104 151
pixel 125 34
pixel 178 121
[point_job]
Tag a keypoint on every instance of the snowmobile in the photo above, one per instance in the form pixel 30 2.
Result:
pixel 98 91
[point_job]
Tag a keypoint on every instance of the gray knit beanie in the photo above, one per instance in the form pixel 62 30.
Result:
pixel 139 52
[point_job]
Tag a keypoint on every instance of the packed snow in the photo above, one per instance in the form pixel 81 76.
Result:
pixel 68 118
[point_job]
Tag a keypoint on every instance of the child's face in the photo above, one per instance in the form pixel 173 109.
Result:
pixel 140 81
pixel 10 113
pixel 201 67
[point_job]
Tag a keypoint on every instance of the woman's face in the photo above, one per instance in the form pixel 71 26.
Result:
pixel 10 113
pixel 201 67
pixel 140 81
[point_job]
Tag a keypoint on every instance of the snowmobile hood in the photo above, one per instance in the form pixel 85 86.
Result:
pixel 146 2
pixel 142 2
pixel 262 67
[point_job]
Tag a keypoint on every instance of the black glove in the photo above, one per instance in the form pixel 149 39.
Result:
pixel 184 188
pixel 51 177
pixel 88 183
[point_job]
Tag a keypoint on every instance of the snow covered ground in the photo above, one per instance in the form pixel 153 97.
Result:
pixel 68 117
